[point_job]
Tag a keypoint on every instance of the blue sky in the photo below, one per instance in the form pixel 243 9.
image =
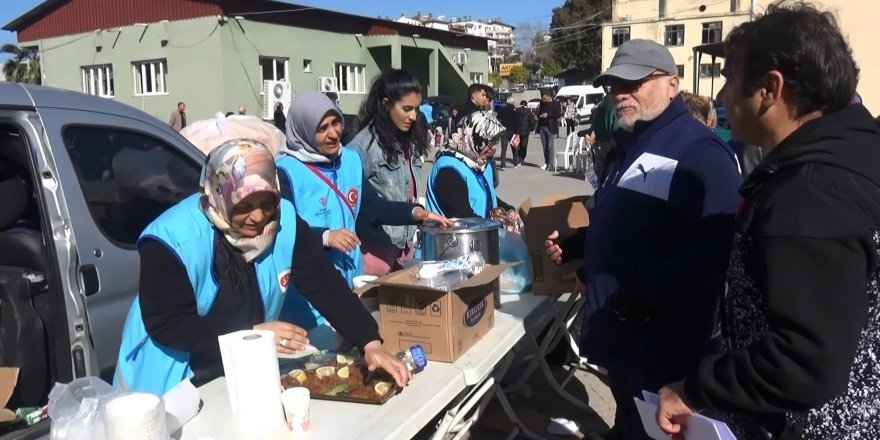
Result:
pixel 513 12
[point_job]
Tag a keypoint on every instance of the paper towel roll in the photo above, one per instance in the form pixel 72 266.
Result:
pixel 138 416
pixel 250 363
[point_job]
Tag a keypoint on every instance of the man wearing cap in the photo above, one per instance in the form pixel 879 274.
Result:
pixel 656 250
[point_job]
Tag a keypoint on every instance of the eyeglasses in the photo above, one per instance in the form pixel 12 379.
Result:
pixel 618 85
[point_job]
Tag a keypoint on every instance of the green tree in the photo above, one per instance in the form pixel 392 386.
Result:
pixel 519 74
pixel 577 33
pixel 23 64
pixel 495 79
pixel 552 68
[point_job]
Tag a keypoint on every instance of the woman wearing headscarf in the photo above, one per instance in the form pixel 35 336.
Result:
pixel 391 146
pixel 221 261
pixel 326 184
pixel 462 182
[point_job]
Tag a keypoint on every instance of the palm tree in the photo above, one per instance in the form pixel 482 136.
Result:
pixel 23 64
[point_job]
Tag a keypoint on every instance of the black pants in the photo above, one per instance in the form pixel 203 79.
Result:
pixel 505 141
pixel 571 126
pixel 523 146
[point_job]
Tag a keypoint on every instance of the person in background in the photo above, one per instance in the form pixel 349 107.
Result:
pixel 428 110
pixel 699 106
pixel 657 245
pixel 177 121
pixel 453 119
pixel 570 116
pixel 548 127
pixel 507 117
pixel 391 145
pixel 479 99
pixel 800 319
pixel 461 183
pixel 525 124
pixel 211 265
pixel 604 124
pixel 242 111
pixel 328 188
pixel 280 119
pixel 228 114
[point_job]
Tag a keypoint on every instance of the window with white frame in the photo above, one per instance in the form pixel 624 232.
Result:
pixel 274 69
pixel 98 80
pixel 476 78
pixel 150 77
pixel 351 78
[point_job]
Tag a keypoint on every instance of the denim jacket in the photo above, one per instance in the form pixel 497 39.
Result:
pixel 391 181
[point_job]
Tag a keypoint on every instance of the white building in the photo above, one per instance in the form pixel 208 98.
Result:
pixel 502 36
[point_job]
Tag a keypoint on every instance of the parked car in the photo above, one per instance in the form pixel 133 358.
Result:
pixel 585 98
pixel 533 104
pixel 95 172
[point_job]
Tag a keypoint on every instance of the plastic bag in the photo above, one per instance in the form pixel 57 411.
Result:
pixel 77 409
pixel 518 278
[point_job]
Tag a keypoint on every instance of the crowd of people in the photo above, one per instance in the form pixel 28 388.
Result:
pixel 741 286
pixel 756 301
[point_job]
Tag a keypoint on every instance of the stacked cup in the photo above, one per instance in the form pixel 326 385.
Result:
pixel 296 409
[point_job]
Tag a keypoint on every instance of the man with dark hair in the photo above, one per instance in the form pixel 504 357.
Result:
pixel 479 98
pixel 657 245
pixel 549 113
pixel 800 320
pixel 178 117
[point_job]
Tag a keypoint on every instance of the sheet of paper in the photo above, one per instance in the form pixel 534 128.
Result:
pixel 648 414
pixel 699 427
pixel 181 405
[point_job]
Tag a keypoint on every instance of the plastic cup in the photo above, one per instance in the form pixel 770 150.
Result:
pixel 362 280
pixel 296 409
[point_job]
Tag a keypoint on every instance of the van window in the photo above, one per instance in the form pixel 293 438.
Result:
pixel 595 98
pixel 127 178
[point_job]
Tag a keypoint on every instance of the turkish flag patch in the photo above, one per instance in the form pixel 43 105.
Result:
pixel 352 196
pixel 284 279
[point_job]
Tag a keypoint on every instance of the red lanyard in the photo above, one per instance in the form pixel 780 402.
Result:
pixel 335 189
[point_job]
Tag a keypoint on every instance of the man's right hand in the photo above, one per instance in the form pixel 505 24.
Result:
pixel 553 249
pixel 289 338
pixel 342 239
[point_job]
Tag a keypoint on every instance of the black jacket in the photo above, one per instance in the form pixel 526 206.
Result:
pixel 800 321
pixel 553 111
pixel 507 117
pixel 525 120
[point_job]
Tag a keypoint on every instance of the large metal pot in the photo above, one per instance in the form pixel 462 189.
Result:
pixel 464 236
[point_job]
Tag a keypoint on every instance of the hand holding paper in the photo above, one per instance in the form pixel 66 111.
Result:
pixel 693 426
pixel 672 411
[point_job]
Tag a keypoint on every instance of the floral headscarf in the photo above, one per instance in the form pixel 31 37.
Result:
pixel 473 134
pixel 233 171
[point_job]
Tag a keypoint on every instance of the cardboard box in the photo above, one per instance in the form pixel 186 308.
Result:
pixel 446 323
pixel 8 379
pixel 565 214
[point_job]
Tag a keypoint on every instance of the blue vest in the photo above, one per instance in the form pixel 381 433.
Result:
pixel 480 185
pixel 319 205
pixel 145 365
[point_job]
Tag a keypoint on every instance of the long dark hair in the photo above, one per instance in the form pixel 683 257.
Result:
pixel 393 85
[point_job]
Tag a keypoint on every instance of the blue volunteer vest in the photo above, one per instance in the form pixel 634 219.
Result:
pixel 321 207
pixel 480 185
pixel 145 365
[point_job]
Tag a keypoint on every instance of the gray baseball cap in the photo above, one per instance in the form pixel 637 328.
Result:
pixel 637 59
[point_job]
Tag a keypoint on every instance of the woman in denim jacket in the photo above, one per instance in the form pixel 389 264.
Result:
pixel 392 142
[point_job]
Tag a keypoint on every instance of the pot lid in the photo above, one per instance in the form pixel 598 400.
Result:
pixel 470 224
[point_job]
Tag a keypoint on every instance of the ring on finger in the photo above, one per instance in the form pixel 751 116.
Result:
pixel 284 342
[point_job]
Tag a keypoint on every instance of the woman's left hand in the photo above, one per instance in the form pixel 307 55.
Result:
pixel 423 215
pixel 377 356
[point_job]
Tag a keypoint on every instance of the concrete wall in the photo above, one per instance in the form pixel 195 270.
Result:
pixel 217 67
pixel 642 17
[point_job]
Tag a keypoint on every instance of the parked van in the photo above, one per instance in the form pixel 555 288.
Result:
pixel 89 174
pixel 585 98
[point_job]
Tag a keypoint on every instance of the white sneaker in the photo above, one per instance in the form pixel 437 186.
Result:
pixel 544 167
pixel 516 166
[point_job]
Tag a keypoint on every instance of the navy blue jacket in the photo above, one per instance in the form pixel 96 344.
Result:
pixel 656 250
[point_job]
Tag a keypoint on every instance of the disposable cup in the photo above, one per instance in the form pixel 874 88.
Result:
pixel 296 409
pixel 362 280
